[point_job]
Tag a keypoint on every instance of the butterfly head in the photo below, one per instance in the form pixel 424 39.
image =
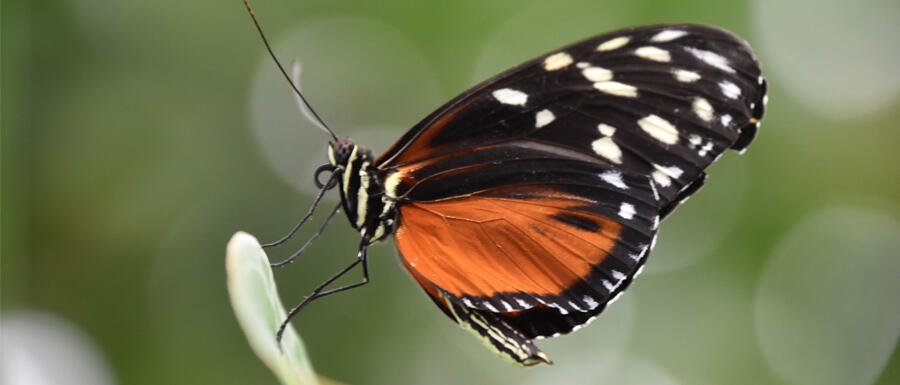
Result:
pixel 340 151
pixel 347 157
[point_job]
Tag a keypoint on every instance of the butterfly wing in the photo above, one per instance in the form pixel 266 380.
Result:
pixel 532 200
pixel 498 335
pixel 526 261
pixel 661 101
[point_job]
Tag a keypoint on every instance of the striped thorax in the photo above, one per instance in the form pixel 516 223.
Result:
pixel 362 192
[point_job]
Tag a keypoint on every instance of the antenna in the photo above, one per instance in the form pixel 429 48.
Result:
pixel 286 76
pixel 307 113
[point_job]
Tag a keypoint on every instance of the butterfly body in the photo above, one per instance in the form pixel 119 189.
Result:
pixel 363 197
pixel 526 205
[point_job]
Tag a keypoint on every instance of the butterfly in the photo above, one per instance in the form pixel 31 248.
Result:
pixel 526 205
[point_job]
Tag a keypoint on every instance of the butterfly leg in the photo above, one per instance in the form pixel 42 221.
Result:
pixel 309 213
pixel 310 240
pixel 319 291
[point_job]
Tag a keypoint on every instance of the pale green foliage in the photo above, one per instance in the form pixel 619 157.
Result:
pixel 259 311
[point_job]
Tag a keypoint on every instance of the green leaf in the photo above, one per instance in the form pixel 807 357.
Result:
pixel 259 311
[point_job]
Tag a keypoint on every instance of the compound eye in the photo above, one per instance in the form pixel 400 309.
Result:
pixel 342 150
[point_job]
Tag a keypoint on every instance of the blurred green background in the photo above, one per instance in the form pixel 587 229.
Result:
pixel 138 136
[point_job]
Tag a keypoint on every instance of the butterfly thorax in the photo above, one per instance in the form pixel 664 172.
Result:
pixel 362 190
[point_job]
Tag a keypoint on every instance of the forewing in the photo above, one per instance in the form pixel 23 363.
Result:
pixel 659 102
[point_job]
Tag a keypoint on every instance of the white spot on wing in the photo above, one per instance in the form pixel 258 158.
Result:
pixel 653 187
pixel 557 61
pixel 711 58
pixel 592 303
pixel 661 178
pixel 703 109
pixel 653 53
pixel 614 178
pixel 617 275
pixel 561 309
pixel 543 118
pixel 506 305
pixel 605 146
pixel 609 287
pixel 695 140
pixel 606 130
pixel 573 305
pixel 640 253
pixel 467 302
pixel 510 96
pixel 672 171
pixel 614 43
pixel 490 307
pixel 725 119
pixel 659 128
pixel 608 149
pixel 521 302
pixel 626 210
pixel 616 88
pixel 706 148
pixel 685 76
pixel 730 89
pixel 597 74
pixel 667 35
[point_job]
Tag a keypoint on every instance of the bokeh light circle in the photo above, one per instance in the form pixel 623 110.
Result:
pixel 39 348
pixel 839 58
pixel 522 38
pixel 637 371
pixel 827 309
pixel 360 75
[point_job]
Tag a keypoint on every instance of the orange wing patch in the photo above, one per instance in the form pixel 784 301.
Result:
pixel 483 246
pixel 419 147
